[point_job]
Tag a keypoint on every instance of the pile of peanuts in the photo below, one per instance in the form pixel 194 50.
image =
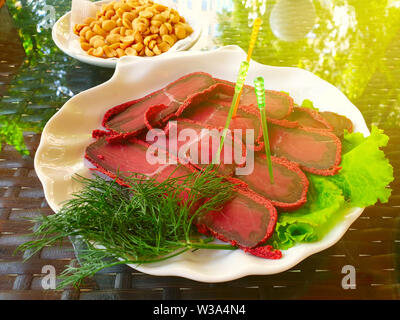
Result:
pixel 132 27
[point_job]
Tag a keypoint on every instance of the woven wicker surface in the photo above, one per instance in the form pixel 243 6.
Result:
pixel 371 245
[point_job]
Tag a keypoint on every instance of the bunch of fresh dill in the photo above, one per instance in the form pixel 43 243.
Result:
pixel 148 222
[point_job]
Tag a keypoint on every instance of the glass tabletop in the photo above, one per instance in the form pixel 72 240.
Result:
pixel 353 44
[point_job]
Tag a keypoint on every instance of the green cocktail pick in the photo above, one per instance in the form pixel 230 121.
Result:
pixel 244 68
pixel 260 93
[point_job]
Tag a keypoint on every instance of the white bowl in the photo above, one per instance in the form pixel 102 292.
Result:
pixel 61 151
pixel 69 43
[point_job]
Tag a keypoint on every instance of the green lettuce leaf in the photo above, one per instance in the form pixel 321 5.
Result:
pixel 308 104
pixel 366 172
pixel 324 200
pixel 362 181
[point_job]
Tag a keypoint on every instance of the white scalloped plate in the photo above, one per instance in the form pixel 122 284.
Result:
pixel 63 40
pixel 61 151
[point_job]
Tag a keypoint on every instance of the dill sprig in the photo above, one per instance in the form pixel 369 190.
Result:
pixel 148 222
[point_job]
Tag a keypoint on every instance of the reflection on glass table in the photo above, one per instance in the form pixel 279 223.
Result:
pixel 338 40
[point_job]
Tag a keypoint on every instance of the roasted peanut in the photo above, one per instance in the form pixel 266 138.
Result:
pixel 83 31
pixel 116 30
pixel 138 37
pixel 110 52
pixel 128 39
pixel 98 52
pixel 180 32
pixel 79 27
pixel 145 21
pixel 148 52
pixel 109 14
pixel 154 29
pixel 85 46
pixel 152 44
pixel 148 39
pixel 98 30
pixel 126 7
pixel 163 30
pixel 164 46
pixel 108 25
pixel 119 12
pixel 159 17
pixel 174 18
pixel 124 45
pixel 89 35
pixel 147 14
pixel 126 23
pixel 156 23
pixel 156 50
pixel 189 29
pixel 160 7
pixel 138 46
pixel 95 38
pixel 115 46
pixel 113 38
pixel 98 43
pixel 141 27
pixel 128 16
pixel 168 39
pixel 131 52
pixel 169 27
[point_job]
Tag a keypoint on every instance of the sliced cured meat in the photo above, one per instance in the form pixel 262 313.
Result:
pixel 315 151
pixel 198 145
pixel 124 158
pixel 307 118
pixel 129 117
pixel 289 190
pixel 214 115
pixel 279 104
pixel 243 221
pixel 338 122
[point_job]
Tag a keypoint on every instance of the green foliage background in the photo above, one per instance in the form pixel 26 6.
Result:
pixel 359 53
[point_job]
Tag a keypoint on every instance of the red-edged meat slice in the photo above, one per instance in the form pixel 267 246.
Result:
pixel 198 145
pixel 314 150
pixel 244 221
pixel 308 118
pixel 214 115
pixel 338 122
pixel 129 117
pixel 279 104
pixel 124 158
pixel 289 190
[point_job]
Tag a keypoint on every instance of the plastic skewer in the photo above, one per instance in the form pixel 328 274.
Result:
pixel 244 68
pixel 260 93
pixel 253 39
